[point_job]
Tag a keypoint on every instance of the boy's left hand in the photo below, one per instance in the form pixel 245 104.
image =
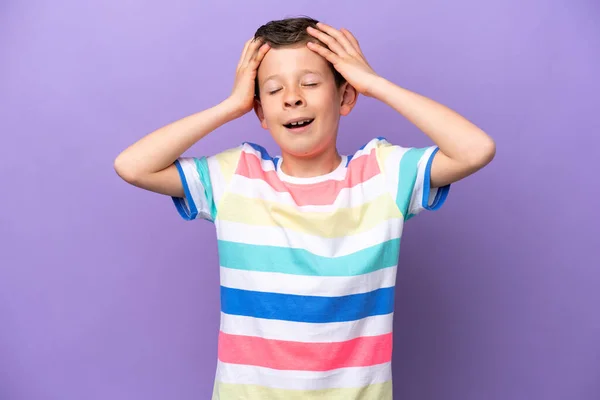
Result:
pixel 345 55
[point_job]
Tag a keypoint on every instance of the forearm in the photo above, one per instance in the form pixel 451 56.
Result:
pixel 456 137
pixel 159 149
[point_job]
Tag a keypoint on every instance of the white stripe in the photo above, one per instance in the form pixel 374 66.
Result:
pixel 217 180
pixel 416 200
pixel 392 169
pixel 266 165
pixel 369 147
pixel 347 197
pixel 194 183
pixel 303 380
pixel 304 285
pixel 325 247
pixel 306 332
pixel 338 174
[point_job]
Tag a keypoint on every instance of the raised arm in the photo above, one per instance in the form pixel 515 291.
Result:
pixel 149 162
pixel 463 147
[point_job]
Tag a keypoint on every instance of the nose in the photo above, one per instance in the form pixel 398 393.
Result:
pixel 293 99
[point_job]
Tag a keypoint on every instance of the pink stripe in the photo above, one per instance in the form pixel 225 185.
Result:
pixel 360 170
pixel 283 355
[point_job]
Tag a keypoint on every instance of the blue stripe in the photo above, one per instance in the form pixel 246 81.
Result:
pixel 185 212
pixel 313 309
pixel 302 262
pixel 442 192
pixel 264 154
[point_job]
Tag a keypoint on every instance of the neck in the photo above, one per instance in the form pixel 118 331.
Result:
pixel 309 167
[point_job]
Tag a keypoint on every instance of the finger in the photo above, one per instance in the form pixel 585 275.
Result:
pixel 351 39
pixel 243 56
pixel 326 53
pixel 339 36
pixel 333 44
pixel 251 52
pixel 262 51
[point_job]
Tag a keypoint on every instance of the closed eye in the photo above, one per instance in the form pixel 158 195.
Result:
pixel 274 91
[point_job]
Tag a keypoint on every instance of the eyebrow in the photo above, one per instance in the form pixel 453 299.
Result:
pixel 304 71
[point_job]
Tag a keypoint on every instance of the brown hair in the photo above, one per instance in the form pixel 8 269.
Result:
pixel 289 32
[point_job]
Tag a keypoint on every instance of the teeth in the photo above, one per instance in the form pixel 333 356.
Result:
pixel 300 123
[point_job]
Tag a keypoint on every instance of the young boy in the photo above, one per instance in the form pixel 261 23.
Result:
pixel 308 241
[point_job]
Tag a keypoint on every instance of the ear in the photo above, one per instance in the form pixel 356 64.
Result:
pixel 348 98
pixel 259 113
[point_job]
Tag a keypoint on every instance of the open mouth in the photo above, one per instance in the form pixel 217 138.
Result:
pixel 299 124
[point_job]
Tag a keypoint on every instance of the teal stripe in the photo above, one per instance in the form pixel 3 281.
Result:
pixel 203 171
pixel 407 178
pixel 301 262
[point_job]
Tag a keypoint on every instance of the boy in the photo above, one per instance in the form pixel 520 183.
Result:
pixel 308 241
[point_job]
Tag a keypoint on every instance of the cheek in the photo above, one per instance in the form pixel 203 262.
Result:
pixel 330 107
pixel 328 97
pixel 269 111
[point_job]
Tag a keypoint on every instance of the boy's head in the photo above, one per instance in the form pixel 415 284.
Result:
pixel 295 84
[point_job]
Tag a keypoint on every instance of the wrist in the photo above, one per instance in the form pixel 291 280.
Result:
pixel 230 109
pixel 379 87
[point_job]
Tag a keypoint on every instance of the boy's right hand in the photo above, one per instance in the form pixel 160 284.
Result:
pixel 149 162
pixel 242 95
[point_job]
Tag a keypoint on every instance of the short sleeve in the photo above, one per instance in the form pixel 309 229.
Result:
pixel 408 176
pixel 204 180
pixel 198 201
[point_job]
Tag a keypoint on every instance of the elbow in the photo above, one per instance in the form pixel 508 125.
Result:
pixel 483 154
pixel 488 151
pixel 124 169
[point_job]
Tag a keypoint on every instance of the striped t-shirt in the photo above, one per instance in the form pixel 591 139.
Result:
pixel 307 267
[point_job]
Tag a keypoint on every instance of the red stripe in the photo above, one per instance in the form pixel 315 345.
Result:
pixel 283 355
pixel 360 170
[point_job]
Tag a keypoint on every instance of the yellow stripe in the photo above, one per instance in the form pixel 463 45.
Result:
pixel 382 152
pixel 226 391
pixel 342 222
pixel 228 161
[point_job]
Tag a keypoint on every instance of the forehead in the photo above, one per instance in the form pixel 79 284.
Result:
pixel 288 61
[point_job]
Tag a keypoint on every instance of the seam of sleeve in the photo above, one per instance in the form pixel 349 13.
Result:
pixel 409 175
pixel 180 203
pixel 442 192
pixel 383 172
pixel 228 183
pixel 204 173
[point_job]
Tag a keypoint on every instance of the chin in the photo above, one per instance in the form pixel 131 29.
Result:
pixel 298 151
pixel 306 144
pixel 303 150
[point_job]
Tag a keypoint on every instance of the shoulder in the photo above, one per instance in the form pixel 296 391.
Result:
pixel 373 144
pixel 252 153
pixel 247 152
pixel 386 152
pixel 374 148
pixel 375 151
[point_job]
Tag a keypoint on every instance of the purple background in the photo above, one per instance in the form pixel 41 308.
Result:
pixel 105 293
